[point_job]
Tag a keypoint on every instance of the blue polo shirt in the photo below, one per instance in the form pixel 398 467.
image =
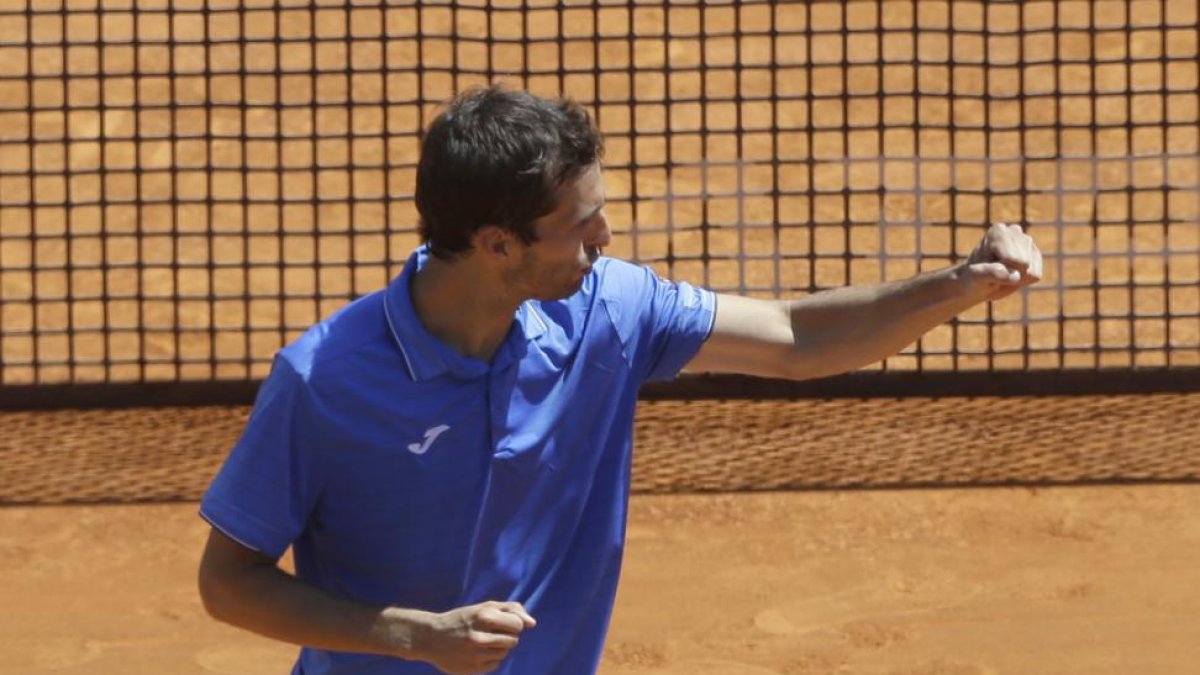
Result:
pixel 404 473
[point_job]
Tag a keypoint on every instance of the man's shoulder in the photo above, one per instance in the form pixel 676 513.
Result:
pixel 615 279
pixel 619 268
pixel 357 326
pixel 615 293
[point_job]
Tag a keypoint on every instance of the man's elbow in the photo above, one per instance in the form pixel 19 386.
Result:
pixel 814 359
pixel 215 591
pixel 227 577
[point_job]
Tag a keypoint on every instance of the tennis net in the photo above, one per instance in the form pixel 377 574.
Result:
pixel 186 185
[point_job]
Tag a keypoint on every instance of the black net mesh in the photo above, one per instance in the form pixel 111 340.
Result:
pixel 186 185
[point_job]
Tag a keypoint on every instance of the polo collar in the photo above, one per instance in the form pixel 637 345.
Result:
pixel 427 357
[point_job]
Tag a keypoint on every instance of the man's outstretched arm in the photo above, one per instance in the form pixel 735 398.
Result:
pixel 844 329
pixel 247 589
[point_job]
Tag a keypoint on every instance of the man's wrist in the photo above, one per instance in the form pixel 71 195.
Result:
pixel 404 632
pixel 964 285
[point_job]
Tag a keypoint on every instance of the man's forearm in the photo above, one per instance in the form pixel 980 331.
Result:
pixel 844 329
pixel 246 588
pixel 268 601
pixel 848 328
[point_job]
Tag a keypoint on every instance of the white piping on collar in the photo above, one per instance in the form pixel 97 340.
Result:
pixel 531 310
pixel 387 315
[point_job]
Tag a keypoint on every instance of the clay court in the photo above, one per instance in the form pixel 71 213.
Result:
pixel 1080 580
pixel 181 193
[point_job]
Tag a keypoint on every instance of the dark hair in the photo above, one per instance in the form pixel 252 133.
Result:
pixel 497 157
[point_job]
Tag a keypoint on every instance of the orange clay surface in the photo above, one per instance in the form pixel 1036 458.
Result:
pixel 1026 581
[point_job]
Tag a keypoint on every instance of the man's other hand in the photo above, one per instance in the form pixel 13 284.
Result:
pixel 474 639
pixel 1005 260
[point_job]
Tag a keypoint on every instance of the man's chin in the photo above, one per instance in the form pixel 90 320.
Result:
pixel 574 288
pixel 566 292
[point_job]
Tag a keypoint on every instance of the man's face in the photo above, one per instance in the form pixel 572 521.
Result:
pixel 569 241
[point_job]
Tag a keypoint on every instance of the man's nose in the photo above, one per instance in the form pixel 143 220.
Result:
pixel 602 235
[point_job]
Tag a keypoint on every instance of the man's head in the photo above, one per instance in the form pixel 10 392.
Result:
pixel 497 157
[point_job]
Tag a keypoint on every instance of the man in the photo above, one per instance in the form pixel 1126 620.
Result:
pixel 449 456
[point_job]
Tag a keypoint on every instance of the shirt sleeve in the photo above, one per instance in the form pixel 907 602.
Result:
pixel 264 492
pixel 662 323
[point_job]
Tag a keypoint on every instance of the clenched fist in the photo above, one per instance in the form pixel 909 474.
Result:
pixel 473 639
pixel 1005 260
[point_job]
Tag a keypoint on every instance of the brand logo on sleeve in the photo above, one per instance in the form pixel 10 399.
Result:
pixel 431 435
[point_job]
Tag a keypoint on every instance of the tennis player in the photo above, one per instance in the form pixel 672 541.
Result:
pixel 449 457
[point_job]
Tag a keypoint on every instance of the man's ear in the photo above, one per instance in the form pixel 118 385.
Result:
pixel 493 241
